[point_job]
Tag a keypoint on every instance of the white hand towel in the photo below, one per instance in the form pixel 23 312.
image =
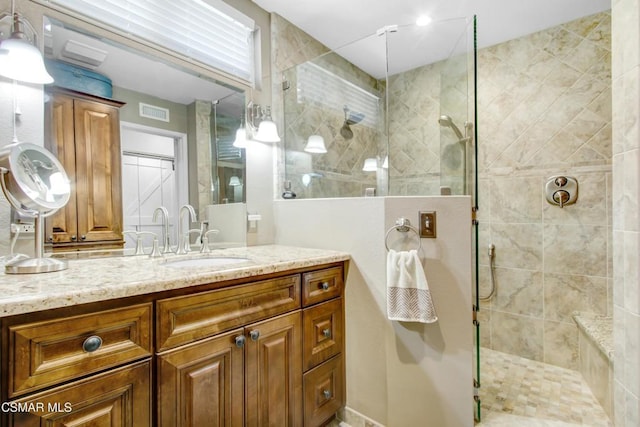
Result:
pixel 408 295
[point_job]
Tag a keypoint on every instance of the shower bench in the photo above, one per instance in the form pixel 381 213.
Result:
pixel 595 342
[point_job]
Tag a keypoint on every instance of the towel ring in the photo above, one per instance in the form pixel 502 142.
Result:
pixel 403 225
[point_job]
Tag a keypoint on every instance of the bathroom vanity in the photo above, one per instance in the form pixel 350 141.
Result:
pixel 137 341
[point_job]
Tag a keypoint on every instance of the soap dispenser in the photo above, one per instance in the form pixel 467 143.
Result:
pixel 288 194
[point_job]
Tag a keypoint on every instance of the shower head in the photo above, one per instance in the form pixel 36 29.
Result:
pixel 350 118
pixel 448 122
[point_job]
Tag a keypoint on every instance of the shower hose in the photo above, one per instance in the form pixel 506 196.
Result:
pixel 492 276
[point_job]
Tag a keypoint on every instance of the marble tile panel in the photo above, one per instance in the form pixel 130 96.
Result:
pixel 585 55
pixel 562 42
pixel 516 199
pixel 507 336
pixel 631 188
pixel 561 344
pixel 591 26
pixel 632 353
pixel 575 249
pixel 595 369
pixel 518 245
pixel 564 294
pixel 518 292
pixel 630 271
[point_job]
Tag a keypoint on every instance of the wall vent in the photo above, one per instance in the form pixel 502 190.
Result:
pixel 153 112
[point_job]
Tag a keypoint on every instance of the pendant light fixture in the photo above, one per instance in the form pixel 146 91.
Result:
pixel 267 130
pixel 19 59
pixel 315 145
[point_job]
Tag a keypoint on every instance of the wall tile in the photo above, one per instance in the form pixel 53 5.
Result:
pixel 575 249
pixel 561 344
pixel 564 294
pixel 507 335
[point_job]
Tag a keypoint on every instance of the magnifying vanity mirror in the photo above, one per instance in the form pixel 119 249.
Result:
pixel 36 185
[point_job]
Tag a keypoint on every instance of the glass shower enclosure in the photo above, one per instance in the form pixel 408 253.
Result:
pixel 393 113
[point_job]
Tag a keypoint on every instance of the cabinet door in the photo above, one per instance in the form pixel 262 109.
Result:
pixel 117 398
pixel 62 226
pixel 274 372
pixel 98 174
pixel 202 384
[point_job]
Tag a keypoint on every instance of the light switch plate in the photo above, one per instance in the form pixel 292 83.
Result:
pixel 428 224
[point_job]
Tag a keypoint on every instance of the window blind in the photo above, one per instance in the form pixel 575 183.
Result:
pixel 208 31
pixel 320 86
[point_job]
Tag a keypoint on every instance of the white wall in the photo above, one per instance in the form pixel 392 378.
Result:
pixel 398 374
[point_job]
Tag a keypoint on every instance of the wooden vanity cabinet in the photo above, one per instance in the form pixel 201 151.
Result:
pixel 251 352
pixel 83 131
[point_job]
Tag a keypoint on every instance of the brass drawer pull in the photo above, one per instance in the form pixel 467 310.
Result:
pixel 92 344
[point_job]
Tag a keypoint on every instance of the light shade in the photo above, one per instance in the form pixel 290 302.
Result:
pixel 267 132
pixel 370 165
pixel 20 60
pixel 315 144
pixel 234 181
pixel 241 140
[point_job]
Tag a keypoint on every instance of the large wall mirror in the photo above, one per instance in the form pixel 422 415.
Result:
pixel 176 127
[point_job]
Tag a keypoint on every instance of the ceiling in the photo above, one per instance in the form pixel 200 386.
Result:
pixel 336 23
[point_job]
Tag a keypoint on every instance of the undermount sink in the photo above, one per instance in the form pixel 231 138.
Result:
pixel 205 262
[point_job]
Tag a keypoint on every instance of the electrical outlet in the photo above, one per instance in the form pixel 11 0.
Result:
pixel 23 227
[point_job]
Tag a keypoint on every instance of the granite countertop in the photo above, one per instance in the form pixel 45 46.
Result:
pixel 98 279
pixel 599 329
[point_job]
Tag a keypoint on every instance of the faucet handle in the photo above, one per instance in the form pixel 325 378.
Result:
pixel 139 241
pixel 205 241
pixel 155 250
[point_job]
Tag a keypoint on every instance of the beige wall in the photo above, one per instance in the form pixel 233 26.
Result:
pixel 398 374
pixel 544 109
pixel 626 195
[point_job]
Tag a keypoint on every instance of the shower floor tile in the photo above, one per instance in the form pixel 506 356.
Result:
pixel 518 391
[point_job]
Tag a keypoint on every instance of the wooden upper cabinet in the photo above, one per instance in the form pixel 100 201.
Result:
pixel 84 133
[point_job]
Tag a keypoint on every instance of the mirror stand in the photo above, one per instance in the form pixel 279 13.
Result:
pixel 37 264
pixel 35 185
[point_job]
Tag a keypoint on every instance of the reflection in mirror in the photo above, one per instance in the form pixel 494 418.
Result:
pixel 175 131
pixel 416 74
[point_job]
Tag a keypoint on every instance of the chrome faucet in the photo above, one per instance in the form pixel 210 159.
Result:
pixel 165 227
pixel 183 243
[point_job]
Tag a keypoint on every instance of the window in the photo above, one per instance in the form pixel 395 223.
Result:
pixel 208 31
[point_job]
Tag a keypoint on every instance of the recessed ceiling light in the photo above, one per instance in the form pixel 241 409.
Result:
pixel 423 20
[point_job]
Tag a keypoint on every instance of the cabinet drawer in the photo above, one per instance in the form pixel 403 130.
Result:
pixel 44 353
pixel 321 285
pixel 323 391
pixel 323 325
pixel 119 397
pixel 188 318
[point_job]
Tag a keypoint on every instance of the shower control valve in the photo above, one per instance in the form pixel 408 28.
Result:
pixel 561 190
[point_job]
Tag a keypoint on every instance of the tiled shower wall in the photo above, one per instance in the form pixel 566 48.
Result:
pixel 544 107
pixel 626 194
